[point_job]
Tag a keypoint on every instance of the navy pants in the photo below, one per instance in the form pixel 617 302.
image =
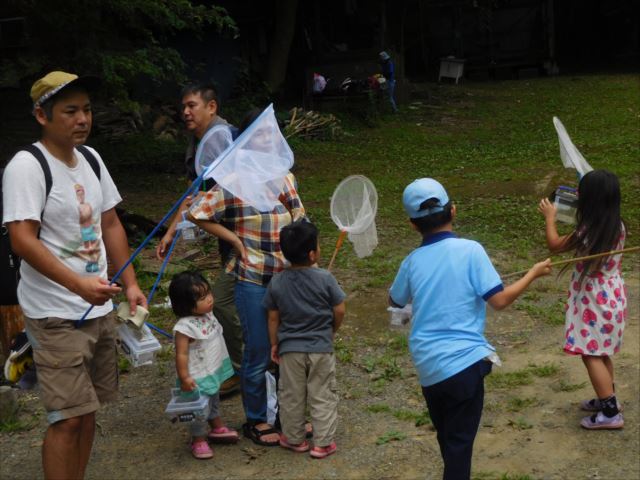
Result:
pixel 455 406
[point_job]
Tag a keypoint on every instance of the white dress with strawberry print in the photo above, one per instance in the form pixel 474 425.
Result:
pixel 596 310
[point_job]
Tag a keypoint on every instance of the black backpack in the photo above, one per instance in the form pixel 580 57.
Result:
pixel 9 261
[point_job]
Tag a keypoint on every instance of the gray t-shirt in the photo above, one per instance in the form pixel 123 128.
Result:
pixel 305 298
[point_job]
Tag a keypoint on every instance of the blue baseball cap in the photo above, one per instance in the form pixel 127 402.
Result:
pixel 420 190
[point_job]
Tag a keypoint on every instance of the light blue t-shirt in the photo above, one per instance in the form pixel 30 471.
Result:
pixel 449 280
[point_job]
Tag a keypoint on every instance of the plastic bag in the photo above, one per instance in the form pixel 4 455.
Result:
pixel 272 398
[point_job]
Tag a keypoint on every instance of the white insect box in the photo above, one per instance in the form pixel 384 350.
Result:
pixel 139 346
pixel 187 406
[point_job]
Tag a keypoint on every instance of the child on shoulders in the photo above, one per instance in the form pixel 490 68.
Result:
pixel 202 361
pixel 306 307
pixel 449 279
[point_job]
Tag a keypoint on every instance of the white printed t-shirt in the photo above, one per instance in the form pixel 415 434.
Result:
pixel 70 227
pixel 209 363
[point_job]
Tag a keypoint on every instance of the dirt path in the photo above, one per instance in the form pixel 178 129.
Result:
pixel 529 428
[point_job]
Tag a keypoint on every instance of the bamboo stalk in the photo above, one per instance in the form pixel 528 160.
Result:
pixel 578 259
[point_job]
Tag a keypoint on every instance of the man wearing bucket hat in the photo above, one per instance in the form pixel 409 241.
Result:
pixel 64 241
pixel 389 74
pixel 448 280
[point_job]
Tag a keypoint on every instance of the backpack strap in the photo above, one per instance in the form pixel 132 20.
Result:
pixel 37 153
pixel 90 157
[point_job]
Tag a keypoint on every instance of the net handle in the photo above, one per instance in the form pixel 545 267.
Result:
pixel 578 259
pixel 343 233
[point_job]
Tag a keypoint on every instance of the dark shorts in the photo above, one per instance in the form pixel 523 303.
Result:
pixel 77 368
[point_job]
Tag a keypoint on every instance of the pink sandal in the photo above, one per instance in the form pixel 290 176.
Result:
pixel 201 450
pixel 322 452
pixel 296 447
pixel 223 435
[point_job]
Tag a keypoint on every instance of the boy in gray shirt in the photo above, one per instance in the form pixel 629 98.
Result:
pixel 306 307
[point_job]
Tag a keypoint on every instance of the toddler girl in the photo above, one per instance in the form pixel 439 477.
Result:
pixel 202 361
pixel 597 307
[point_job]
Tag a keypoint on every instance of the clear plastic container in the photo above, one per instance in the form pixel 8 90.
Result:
pixel 400 318
pixel 186 406
pixel 139 346
pixel 566 202
pixel 190 231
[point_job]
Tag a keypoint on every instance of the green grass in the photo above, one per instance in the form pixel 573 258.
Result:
pixel 518 404
pixel 563 386
pixel 390 436
pixel 16 424
pixel 499 476
pixel 547 370
pixel 418 418
pixel 509 379
pixel 379 408
pixel 496 152
pixel 520 424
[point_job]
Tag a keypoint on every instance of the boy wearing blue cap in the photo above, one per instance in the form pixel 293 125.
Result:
pixel 448 280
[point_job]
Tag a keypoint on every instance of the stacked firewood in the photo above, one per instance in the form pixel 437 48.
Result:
pixel 310 124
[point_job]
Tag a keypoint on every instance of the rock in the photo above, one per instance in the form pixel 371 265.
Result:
pixel 8 404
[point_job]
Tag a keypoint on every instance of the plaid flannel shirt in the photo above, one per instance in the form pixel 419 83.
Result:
pixel 259 232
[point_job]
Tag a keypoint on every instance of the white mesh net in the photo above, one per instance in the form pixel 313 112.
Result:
pixel 253 167
pixel 353 209
pixel 570 155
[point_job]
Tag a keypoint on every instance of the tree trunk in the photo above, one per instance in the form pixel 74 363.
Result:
pixel 285 24
pixel 11 323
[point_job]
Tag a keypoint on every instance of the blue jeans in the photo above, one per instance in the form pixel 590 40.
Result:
pixel 257 350
pixel 391 91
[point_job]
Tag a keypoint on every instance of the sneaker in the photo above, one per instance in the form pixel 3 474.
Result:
pixel 20 358
pixel 201 450
pixel 594 405
pixel 296 447
pixel 15 369
pixel 230 385
pixel 322 452
pixel 598 421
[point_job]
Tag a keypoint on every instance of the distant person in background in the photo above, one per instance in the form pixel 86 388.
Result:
pixel 389 73
pixel 200 114
pixel 319 83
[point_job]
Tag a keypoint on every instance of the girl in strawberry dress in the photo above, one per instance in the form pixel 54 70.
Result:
pixel 596 308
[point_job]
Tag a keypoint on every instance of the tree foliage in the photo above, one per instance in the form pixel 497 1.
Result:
pixel 120 40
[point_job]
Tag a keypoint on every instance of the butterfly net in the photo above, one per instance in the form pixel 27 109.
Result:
pixel 570 155
pixel 252 167
pixel 353 209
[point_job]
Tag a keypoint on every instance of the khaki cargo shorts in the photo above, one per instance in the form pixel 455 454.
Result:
pixel 77 368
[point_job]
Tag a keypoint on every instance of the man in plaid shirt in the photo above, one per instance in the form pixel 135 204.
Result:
pixel 255 238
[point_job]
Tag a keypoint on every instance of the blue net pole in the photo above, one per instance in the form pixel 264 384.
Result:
pixel 163 266
pixel 193 188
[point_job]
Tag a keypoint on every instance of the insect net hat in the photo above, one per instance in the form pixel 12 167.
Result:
pixel 254 166
pixel 353 209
